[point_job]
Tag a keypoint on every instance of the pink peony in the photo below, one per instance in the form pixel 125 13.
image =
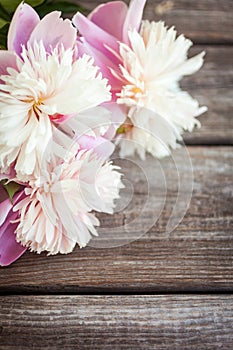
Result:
pixel 56 212
pixel 144 62
pixel 44 89
pixel 103 31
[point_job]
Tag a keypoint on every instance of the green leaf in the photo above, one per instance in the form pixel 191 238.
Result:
pixel 34 3
pixel 4 14
pixel 3 36
pixel 2 23
pixel 63 6
pixel 11 188
pixel 11 5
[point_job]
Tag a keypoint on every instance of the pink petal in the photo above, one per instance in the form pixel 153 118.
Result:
pixel 102 147
pixel 110 17
pixel 53 30
pixel 118 116
pixel 23 22
pixel 7 59
pixel 58 118
pixel 12 174
pixel 10 250
pixel 102 61
pixel 5 208
pixel 6 205
pixel 96 36
pixel 3 197
pixel 133 18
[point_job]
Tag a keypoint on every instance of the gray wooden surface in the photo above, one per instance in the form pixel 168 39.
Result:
pixel 197 256
pixel 117 322
pixel 72 301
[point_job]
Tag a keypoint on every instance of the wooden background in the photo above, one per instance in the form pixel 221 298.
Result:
pixel 163 291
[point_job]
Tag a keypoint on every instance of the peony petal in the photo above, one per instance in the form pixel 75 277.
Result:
pixel 160 129
pixel 180 109
pixel 90 92
pixel 102 147
pixel 5 208
pixel 110 17
pixel 6 205
pixel 10 176
pixel 7 59
pixel 188 67
pixel 23 22
pixel 150 133
pixel 10 250
pixel 53 30
pixel 133 18
pixel 3 196
pixel 96 36
pixel 102 61
pixel 118 112
pixel 118 116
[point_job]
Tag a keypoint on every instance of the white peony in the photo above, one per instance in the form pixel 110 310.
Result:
pixel 56 213
pixel 152 67
pixel 42 91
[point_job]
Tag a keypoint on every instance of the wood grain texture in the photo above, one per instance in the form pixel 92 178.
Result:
pixel 204 21
pixel 213 87
pixel 197 256
pixel 116 322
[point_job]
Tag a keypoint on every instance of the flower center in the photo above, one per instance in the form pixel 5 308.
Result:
pixel 137 90
pixel 132 94
pixel 36 108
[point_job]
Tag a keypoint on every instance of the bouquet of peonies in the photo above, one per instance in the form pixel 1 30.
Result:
pixel 70 91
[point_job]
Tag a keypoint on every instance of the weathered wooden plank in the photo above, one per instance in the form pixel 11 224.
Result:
pixel 213 87
pixel 116 322
pixel 217 71
pixel 217 122
pixel 203 21
pixel 197 256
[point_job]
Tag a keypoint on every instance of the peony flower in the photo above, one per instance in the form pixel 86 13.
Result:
pixel 144 63
pixel 56 212
pixel 44 89
pixel 10 250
